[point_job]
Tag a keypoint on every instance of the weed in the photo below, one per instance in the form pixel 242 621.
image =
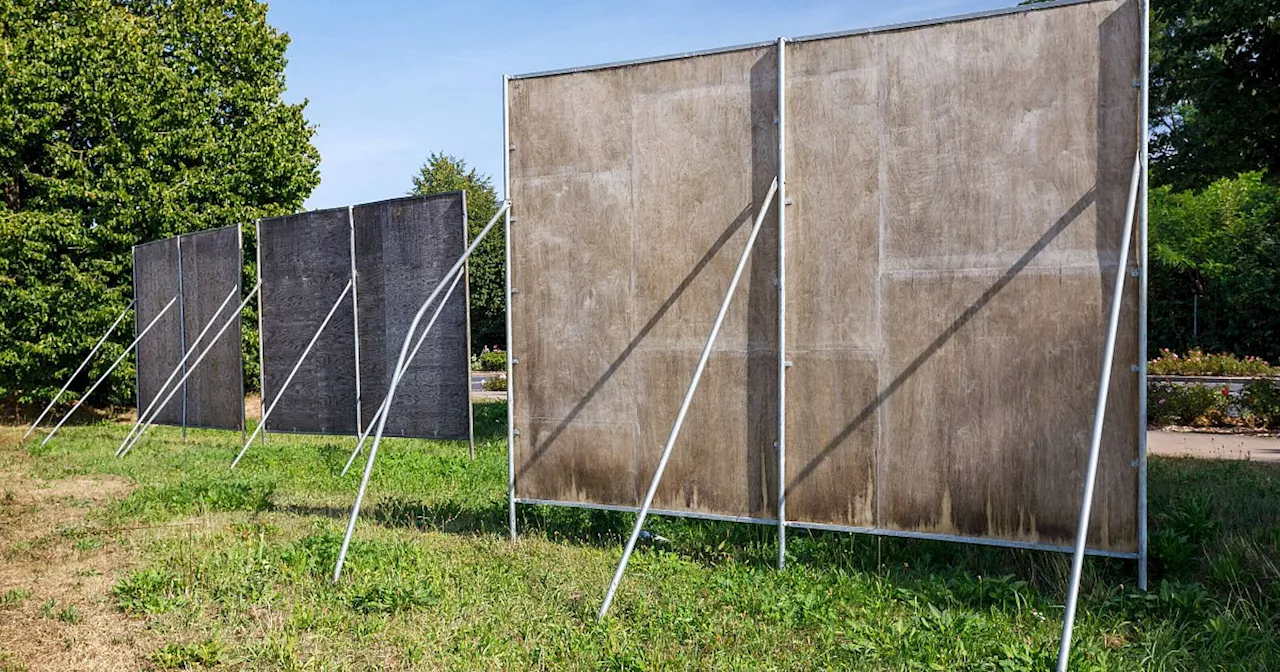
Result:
pixel 14 597
pixel 148 591
pixel 69 615
pixel 185 656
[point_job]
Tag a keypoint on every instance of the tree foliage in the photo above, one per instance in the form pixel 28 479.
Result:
pixel 1215 254
pixel 1215 86
pixel 487 274
pixel 121 122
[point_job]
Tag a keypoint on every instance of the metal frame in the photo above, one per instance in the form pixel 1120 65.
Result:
pixel 111 368
pixel 244 415
pixel 182 337
pixel 153 409
pixel 262 371
pixel 1099 417
pixel 80 368
pixel 782 303
pixel 355 315
pixel 400 368
pixel 506 231
pixel 466 291
pixel 688 399
pixel 289 379
pixel 827 527
pixel 194 365
pixel 1139 186
pixel 1144 6
pixel 888 28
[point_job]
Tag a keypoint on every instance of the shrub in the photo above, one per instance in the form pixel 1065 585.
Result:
pixel 493 361
pixel 496 384
pixel 1197 363
pixel 1168 403
pixel 1262 401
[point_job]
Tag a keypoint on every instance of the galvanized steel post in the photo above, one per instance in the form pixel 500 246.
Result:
pixel 355 316
pixel 182 336
pixel 782 302
pixel 289 379
pixel 1145 8
pixel 153 408
pixel 506 233
pixel 111 368
pixel 401 366
pixel 688 398
pixel 1099 415
pixel 262 370
pixel 421 339
pixel 80 368
pixel 194 365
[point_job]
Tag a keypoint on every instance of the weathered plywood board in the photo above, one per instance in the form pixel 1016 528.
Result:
pixel 404 248
pixel 959 197
pixel 305 265
pixel 958 193
pixel 212 263
pixel 155 283
pixel 634 190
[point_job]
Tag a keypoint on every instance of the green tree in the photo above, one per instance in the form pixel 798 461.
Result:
pixel 121 122
pixel 1215 86
pixel 1215 261
pixel 487 266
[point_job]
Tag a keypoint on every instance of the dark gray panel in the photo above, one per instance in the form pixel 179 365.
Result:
pixel 212 263
pixel 305 264
pixel 403 249
pixel 155 282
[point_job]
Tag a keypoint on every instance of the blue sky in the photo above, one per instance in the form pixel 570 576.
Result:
pixel 389 82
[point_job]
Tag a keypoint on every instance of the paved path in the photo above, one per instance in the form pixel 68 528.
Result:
pixel 1214 446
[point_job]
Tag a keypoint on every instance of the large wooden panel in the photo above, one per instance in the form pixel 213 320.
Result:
pixel 959 197
pixel 212 263
pixel 634 190
pixel 958 192
pixel 155 283
pixel 305 265
pixel 404 247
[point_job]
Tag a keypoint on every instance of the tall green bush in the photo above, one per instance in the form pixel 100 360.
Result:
pixel 1222 245
pixel 122 122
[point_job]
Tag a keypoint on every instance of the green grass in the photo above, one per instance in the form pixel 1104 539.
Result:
pixel 431 581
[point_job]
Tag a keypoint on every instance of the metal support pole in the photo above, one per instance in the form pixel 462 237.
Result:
pixel 262 370
pixel 182 337
pixel 194 365
pixel 80 368
pixel 289 379
pixel 506 232
pixel 244 419
pixel 1145 8
pixel 111 368
pixel 395 382
pixel 180 367
pixel 1099 415
pixel 688 398
pixel 355 315
pixel 412 355
pixel 782 302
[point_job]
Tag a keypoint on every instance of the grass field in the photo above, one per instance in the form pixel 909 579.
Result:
pixel 166 559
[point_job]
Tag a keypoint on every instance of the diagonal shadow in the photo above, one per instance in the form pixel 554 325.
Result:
pixel 742 218
pixel 1058 227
